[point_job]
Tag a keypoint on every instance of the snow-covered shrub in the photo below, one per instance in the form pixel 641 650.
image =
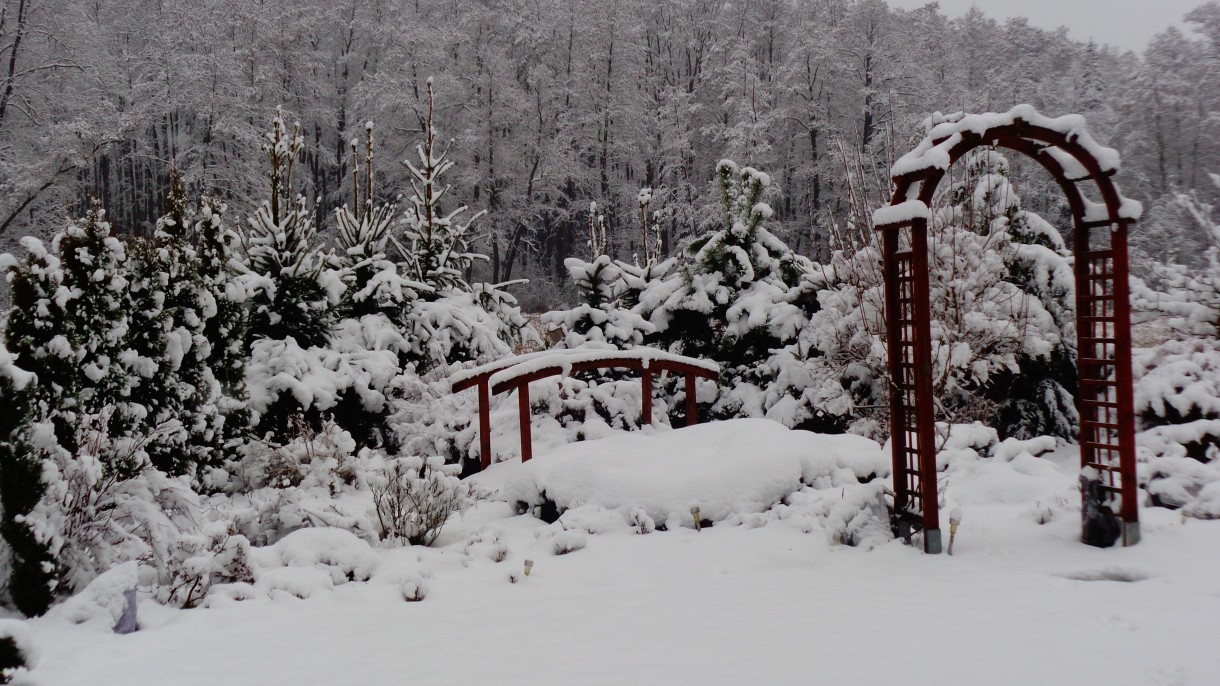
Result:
pixel 17 649
pixel 1000 354
pixel 348 381
pixel 666 472
pixel 1177 405
pixel 340 555
pixel 415 496
pixel 849 380
pixel 310 458
pixel 103 505
pixel 1178 385
pixel 198 561
pixel 315 478
pixel 599 317
pixel 1001 293
pixel 481 324
pixel 561 539
pixel 861 518
pixel 1187 296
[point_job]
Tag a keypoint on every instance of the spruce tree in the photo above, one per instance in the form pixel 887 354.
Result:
pixel 20 490
pixel 452 320
pixel 742 297
pixel 225 330
pixel 289 272
pixel 1038 398
pixel 171 351
pixel 600 317
pixel 435 246
pixel 373 283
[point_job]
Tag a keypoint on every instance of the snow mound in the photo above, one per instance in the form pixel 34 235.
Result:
pixel 316 558
pixel 17 632
pixel 103 600
pixel 723 468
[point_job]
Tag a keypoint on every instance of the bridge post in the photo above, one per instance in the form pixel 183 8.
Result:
pixel 692 406
pixel 523 407
pixel 484 425
pixel 646 396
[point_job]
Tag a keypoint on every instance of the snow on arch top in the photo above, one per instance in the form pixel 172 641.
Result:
pixel 946 131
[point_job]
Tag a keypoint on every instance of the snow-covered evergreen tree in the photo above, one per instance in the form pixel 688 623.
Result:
pixel 71 326
pixel 169 348
pixel 451 320
pixel 740 299
pixel 90 329
pixel 1001 356
pixel 21 488
pixel 225 330
pixel 293 290
pixel 435 246
pixel 1036 399
pixel 600 317
pixel 374 284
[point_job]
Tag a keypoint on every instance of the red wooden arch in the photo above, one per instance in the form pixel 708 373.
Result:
pixel 1103 313
pixel 516 373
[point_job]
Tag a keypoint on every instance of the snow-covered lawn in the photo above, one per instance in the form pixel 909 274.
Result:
pixel 759 598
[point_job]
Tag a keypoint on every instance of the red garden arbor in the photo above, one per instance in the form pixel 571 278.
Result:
pixel 516 373
pixel 1103 314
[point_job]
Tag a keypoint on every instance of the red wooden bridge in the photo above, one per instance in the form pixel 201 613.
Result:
pixel 516 373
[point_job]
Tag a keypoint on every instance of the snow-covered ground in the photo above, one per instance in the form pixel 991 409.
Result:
pixel 759 598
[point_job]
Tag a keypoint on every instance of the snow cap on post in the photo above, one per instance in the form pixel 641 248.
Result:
pixel 901 213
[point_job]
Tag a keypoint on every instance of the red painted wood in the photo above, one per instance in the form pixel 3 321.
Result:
pixel 692 403
pixel 646 397
pixel 484 425
pixel 523 407
pixel 1123 375
pixel 902 495
pixel 925 409
pixel 521 384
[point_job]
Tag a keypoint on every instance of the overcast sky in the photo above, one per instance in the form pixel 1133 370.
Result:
pixel 1127 24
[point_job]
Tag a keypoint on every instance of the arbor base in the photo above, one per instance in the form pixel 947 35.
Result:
pixel 1131 533
pixel 932 543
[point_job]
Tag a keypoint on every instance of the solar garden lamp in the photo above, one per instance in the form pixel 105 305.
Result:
pixel 955 518
pixel 694 512
pixel 529 567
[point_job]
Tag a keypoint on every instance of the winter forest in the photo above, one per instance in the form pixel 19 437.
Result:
pixel 250 247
